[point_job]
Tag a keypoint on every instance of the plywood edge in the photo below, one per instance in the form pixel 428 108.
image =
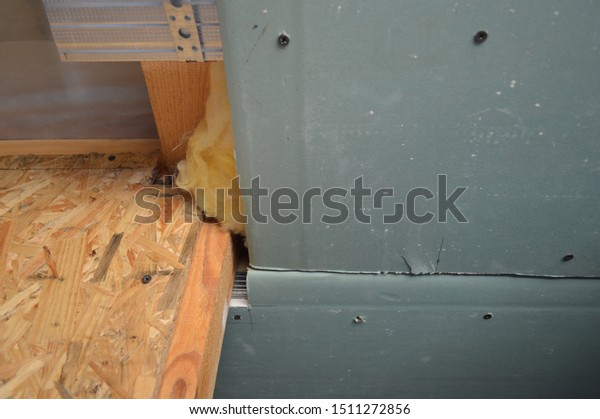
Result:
pixel 192 360
pixel 54 147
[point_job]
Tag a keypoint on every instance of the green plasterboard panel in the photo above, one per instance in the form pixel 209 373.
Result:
pixel 423 336
pixel 398 92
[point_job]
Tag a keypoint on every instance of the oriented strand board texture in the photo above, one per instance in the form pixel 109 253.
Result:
pixel 75 318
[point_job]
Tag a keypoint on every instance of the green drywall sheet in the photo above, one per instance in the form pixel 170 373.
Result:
pixel 398 92
pixel 423 336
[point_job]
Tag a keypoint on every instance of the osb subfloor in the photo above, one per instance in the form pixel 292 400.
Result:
pixel 76 320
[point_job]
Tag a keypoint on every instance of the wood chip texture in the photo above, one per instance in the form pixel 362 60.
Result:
pixel 76 320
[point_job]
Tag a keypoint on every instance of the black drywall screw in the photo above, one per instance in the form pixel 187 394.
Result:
pixel 487 316
pixel 283 40
pixel 359 319
pixel 146 279
pixel 480 37
pixel 567 258
pixel 111 158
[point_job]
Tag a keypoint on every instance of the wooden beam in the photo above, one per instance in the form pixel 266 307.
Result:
pixel 178 92
pixel 193 357
pixel 55 147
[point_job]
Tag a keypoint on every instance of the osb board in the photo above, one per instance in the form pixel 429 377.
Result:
pixel 75 318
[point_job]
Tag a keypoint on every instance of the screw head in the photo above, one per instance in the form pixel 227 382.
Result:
pixel 283 40
pixel 146 279
pixel 487 316
pixel 358 320
pixel 480 37
pixel 567 258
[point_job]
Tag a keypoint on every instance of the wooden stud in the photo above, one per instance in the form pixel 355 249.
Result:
pixel 178 92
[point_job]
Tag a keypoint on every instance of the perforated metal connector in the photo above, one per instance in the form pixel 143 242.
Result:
pixel 184 31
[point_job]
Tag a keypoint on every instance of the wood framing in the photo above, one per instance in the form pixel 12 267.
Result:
pixel 54 147
pixel 178 92
pixel 193 358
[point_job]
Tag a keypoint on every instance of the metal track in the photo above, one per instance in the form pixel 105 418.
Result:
pixel 239 294
pixel 120 30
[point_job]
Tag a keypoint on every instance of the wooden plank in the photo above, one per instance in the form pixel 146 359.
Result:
pixel 192 361
pixel 54 147
pixel 178 93
pixel 15 164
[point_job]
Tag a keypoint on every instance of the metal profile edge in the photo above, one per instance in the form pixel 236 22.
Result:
pixel 116 30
